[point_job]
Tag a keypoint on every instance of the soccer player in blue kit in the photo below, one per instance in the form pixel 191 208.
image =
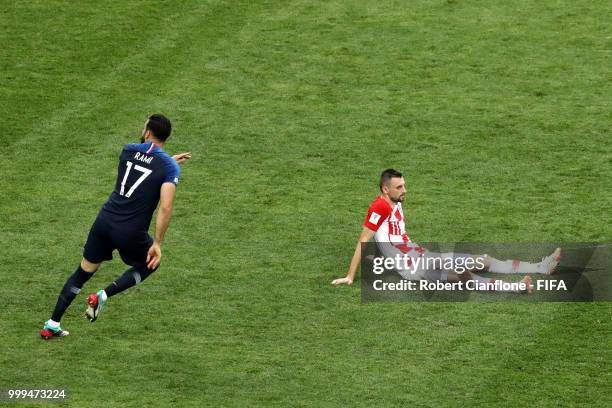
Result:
pixel 146 176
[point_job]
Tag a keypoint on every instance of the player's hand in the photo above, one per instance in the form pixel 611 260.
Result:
pixel 342 281
pixel 154 256
pixel 182 157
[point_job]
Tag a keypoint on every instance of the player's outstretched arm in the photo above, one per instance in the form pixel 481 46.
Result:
pixel 181 158
pixel 366 236
pixel 164 213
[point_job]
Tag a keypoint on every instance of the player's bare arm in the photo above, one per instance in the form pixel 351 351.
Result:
pixel 366 236
pixel 181 158
pixel 164 214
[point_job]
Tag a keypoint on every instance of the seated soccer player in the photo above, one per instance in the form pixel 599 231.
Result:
pixel 385 223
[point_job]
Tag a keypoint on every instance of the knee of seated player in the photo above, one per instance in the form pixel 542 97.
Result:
pixel 486 261
pixel 459 277
pixel 452 276
pixel 89 267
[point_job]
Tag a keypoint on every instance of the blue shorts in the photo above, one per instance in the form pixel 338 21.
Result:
pixel 104 238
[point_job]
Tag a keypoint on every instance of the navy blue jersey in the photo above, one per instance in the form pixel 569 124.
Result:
pixel 143 168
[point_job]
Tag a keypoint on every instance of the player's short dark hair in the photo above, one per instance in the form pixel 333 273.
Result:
pixel 160 126
pixel 388 175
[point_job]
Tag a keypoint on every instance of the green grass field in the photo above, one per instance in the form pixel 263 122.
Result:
pixel 498 113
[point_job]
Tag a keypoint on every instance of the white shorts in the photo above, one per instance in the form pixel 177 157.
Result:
pixel 425 265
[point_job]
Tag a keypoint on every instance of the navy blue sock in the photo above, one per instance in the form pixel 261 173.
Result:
pixel 131 277
pixel 71 288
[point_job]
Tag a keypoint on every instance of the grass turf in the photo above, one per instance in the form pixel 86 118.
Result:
pixel 497 113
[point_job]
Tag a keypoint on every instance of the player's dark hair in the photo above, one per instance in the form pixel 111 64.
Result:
pixel 160 126
pixel 388 175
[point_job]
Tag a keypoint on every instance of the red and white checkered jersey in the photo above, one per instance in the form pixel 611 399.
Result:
pixel 388 224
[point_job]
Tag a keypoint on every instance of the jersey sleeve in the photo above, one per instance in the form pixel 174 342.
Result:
pixel 173 171
pixel 377 214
